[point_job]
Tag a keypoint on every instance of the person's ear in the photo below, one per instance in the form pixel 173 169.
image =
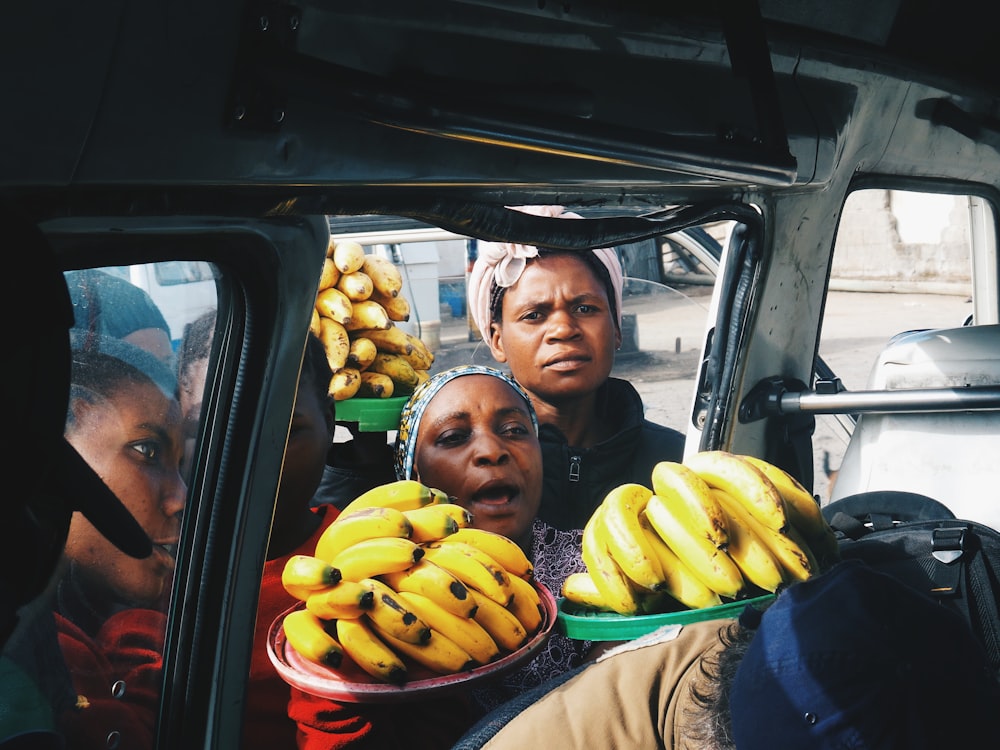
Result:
pixel 496 343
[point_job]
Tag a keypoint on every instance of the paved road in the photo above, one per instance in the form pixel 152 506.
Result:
pixel 856 328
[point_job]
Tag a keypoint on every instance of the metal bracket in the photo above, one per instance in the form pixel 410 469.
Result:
pixel 259 95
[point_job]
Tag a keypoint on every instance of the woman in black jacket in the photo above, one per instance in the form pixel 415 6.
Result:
pixel 554 317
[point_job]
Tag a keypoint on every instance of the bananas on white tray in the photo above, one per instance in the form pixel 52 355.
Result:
pixel 716 528
pixel 358 304
pixel 400 578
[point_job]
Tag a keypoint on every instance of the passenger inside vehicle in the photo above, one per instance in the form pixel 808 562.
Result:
pixel 834 661
pixel 554 318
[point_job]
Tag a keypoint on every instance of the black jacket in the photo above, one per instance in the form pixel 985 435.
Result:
pixel 576 481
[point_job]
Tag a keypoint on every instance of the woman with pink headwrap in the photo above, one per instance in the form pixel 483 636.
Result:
pixel 554 317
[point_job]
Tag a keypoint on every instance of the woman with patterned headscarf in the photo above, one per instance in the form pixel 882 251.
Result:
pixel 471 432
pixel 554 317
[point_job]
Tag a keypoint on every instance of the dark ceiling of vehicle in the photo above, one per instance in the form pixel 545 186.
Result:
pixel 487 96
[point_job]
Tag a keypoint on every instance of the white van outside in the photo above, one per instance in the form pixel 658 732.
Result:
pixel 182 289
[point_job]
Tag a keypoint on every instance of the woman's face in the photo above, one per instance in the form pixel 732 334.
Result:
pixel 557 332
pixel 134 443
pixel 477 443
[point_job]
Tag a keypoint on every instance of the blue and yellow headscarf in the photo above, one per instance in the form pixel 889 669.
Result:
pixel 416 405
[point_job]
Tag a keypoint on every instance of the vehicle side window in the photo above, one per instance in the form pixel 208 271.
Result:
pixel 125 419
pixel 903 261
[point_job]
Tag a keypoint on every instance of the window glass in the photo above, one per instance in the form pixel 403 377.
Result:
pixel 903 261
pixel 125 419
pixel 665 307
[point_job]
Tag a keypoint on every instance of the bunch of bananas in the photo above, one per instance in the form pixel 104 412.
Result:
pixel 401 578
pixel 357 307
pixel 719 526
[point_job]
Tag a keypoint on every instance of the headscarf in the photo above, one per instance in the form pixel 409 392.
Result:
pixel 501 265
pixel 416 405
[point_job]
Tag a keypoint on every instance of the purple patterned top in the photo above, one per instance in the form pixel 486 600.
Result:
pixel 555 554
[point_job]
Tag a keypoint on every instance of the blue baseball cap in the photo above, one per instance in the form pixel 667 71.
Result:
pixel 854 658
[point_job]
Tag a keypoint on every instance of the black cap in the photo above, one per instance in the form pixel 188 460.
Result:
pixel 39 319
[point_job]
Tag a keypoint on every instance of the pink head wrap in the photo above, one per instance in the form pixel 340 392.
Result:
pixel 503 263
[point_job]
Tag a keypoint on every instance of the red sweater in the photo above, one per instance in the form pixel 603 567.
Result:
pixel 267 725
pixel 117 677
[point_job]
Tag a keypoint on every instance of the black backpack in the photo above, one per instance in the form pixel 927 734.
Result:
pixel 920 542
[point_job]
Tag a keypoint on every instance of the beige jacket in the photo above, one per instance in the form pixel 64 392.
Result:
pixel 636 696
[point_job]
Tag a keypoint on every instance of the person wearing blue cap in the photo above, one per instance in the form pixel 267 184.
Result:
pixel 851 658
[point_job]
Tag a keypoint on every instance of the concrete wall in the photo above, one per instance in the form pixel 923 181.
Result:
pixel 903 237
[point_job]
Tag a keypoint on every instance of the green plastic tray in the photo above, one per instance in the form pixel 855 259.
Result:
pixel 372 414
pixel 582 624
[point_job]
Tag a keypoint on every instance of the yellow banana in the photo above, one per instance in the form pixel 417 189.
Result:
pixel 348 256
pixel 348 599
pixel 361 352
pixel 803 512
pixel 330 246
pixel 439 654
pixel 799 544
pixel 422 376
pixel 794 561
pixel 307 634
pixel 397 368
pixel 475 569
pixel 336 342
pixel 616 589
pixel 333 303
pixel 435 583
pixel 670 477
pixel 618 527
pixel 314 325
pixel 581 589
pixel 385 276
pixel 308 572
pixel 503 549
pixel 468 634
pixel 403 494
pixel 393 615
pixel 367 523
pixel 421 357
pixel 432 522
pixel 711 565
pixel 302 593
pixel 391 339
pixel 370 652
pixel 376 385
pixel 329 276
pixel 397 308
pixel 526 605
pixel 345 383
pixel 357 285
pixel 368 315
pixel 502 625
pixel 461 516
pixel 679 582
pixel 371 557
pixel 726 471
pixel 751 554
